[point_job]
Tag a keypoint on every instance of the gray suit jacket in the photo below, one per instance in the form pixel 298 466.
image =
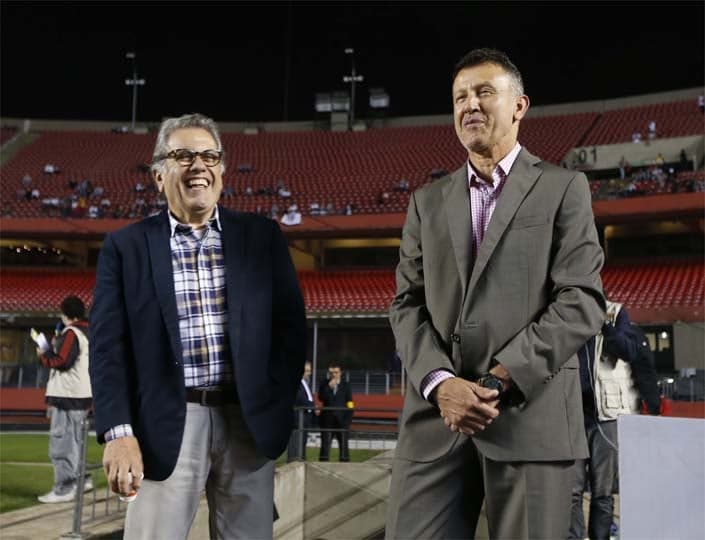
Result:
pixel 531 300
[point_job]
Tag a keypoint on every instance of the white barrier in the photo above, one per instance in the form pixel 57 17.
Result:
pixel 661 478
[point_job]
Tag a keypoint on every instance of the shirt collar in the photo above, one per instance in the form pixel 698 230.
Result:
pixel 214 221
pixel 502 169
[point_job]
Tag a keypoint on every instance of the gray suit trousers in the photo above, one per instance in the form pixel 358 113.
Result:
pixel 443 499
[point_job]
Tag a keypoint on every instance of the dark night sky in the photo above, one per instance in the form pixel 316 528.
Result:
pixel 243 61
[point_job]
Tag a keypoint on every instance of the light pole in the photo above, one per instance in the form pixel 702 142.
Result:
pixel 352 79
pixel 134 82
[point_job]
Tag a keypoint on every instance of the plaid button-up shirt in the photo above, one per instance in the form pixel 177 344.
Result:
pixel 199 283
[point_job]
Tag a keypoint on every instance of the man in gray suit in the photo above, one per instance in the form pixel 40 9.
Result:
pixel 498 285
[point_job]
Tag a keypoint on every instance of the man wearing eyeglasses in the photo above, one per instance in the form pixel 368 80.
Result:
pixel 199 344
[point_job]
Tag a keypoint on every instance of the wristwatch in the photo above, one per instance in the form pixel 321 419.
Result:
pixel 488 380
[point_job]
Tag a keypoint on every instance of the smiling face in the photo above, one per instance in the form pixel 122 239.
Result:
pixel 192 191
pixel 487 110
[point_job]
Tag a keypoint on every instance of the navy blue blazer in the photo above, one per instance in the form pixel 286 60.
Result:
pixel 135 349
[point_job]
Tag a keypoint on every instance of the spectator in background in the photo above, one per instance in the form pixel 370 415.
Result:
pixel 303 418
pixel 97 192
pixel 617 372
pixel 282 190
pixel 85 188
pixel 651 129
pixel 349 209
pixel 402 186
pixel 335 392
pixel 292 216
pixel 228 192
pixel 50 168
pixel 26 181
pixel 701 103
pixel 35 194
pixel 684 162
pixel 68 396
pixel 624 168
pixel 66 205
pixel 636 137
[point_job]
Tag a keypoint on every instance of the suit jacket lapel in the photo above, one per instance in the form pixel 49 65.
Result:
pixel 233 237
pixel 457 200
pixel 522 176
pixel 163 275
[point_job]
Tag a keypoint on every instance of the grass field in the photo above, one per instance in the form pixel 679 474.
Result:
pixel 26 471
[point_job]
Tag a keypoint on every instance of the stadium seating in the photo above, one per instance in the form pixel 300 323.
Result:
pixel 318 167
pixel 326 168
pixel 676 119
pixel 657 284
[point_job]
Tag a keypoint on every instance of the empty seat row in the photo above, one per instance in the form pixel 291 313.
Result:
pixel 658 284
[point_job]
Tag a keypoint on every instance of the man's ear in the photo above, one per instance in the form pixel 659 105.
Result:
pixel 158 180
pixel 522 106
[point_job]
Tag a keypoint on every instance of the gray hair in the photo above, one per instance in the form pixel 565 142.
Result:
pixel 170 125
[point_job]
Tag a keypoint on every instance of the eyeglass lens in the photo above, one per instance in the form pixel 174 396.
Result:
pixel 187 157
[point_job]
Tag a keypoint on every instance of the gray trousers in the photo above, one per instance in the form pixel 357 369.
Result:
pixel 443 499
pixel 217 454
pixel 601 470
pixel 65 447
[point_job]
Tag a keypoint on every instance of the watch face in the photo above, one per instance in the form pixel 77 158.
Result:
pixel 491 382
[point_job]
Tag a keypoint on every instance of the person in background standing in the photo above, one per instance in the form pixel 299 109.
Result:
pixel 335 392
pixel 617 373
pixel 68 396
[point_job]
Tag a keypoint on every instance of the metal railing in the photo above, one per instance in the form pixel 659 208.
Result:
pixel 359 434
pixel 79 519
pixel 362 381
pixel 369 381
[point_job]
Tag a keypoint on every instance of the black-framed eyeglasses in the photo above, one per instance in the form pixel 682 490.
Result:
pixel 185 157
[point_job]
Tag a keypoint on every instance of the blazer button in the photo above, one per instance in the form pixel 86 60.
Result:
pixel 455 337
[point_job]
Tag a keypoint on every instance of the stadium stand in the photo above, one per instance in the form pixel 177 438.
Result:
pixel 659 278
pixel 321 168
pixel 657 285
pixel 674 119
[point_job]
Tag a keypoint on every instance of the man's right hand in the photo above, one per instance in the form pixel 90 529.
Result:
pixel 465 406
pixel 123 455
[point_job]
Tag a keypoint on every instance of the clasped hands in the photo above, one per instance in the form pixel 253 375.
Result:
pixel 465 406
